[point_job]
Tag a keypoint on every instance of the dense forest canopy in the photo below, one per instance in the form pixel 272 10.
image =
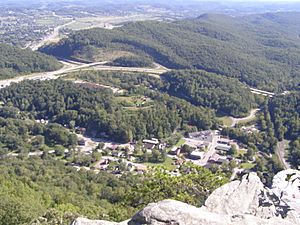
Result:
pixel 23 136
pixel 226 96
pixel 260 50
pixel 100 112
pixel 32 188
pixel 132 61
pixel 285 115
pixel 14 61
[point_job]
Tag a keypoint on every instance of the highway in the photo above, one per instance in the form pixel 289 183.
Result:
pixel 262 92
pixel 73 66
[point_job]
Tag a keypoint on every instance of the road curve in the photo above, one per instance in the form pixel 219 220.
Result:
pixel 239 120
pixel 70 66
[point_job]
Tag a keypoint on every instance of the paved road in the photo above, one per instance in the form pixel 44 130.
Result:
pixel 54 36
pixel 211 151
pixel 280 152
pixel 244 119
pixel 262 92
pixel 71 66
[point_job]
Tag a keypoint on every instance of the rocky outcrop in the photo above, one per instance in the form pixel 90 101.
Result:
pixel 236 203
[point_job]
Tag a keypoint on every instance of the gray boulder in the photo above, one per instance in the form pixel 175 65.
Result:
pixel 171 212
pixel 245 202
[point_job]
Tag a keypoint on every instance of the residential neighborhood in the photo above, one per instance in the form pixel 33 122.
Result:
pixel 205 148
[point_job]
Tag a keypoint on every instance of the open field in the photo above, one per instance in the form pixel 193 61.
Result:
pixel 227 121
pixel 107 22
pixel 135 102
pixel 168 164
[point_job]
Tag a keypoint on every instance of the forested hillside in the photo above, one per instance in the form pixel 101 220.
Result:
pixel 285 114
pixel 32 188
pixel 99 111
pixel 226 96
pixel 14 61
pixel 260 50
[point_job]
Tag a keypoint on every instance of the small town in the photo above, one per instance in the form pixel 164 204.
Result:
pixel 204 148
pixel 149 112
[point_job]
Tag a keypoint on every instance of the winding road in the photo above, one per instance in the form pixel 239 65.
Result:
pixel 244 119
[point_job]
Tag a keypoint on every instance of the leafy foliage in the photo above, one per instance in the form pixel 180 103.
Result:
pixel 226 96
pixel 285 114
pixel 260 50
pixel 15 61
pixel 132 61
pixel 22 136
pixel 99 111
pixel 33 187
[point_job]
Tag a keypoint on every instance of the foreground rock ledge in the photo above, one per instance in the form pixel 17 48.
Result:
pixel 236 203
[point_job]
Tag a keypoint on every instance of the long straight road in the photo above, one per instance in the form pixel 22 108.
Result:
pixel 280 152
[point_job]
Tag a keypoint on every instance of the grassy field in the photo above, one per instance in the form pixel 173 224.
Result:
pixel 180 142
pixel 168 164
pixel 246 122
pixel 134 102
pixel 227 121
pixel 48 21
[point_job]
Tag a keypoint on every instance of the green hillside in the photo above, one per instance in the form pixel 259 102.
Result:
pixel 226 95
pixel 260 50
pixel 15 61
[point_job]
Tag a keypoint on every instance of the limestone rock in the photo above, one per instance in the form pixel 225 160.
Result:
pixel 245 202
pixel 171 212
pixel 248 196
pixel 286 184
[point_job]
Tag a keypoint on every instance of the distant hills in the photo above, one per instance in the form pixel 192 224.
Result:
pixel 260 50
pixel 15 61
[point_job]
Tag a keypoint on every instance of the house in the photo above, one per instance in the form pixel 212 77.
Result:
pixel 224 144
pixel 150 144
pixel 80 130
pixel 118 154
pixel 81 142
pixel 196 155
pixel 140 168
pixel 222 147
pixel 249 129
pixel 151 141
pixel 224 141
pixel 206 135
pixel 175 151
pixel 197 144
pixel 217 159
pixel 222 159
pixel 214 158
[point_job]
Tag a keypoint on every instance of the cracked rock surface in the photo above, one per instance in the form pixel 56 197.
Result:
pixel 236 203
